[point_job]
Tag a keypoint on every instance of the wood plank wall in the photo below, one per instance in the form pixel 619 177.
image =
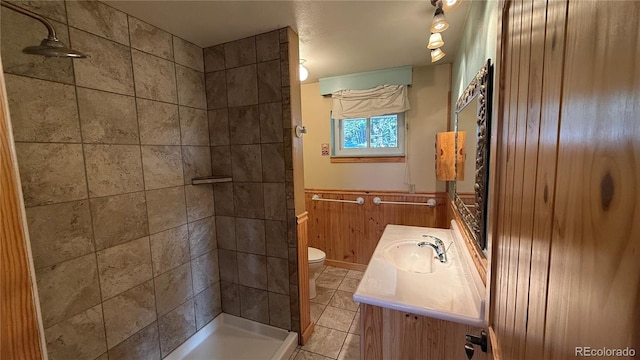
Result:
pixel 20 336
pixel 566 228
pixel 306 326
pixel 349 232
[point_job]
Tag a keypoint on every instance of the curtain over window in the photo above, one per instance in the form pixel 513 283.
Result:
pixel 380 100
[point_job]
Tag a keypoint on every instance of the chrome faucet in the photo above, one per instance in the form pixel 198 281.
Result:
pixel 438 247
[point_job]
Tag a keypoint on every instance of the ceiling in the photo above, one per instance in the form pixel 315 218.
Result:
pixel 336 37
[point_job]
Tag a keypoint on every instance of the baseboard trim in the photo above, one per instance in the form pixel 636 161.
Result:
pixel 306 334
pixel 345 265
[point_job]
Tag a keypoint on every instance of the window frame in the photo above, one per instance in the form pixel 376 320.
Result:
pixel 337 151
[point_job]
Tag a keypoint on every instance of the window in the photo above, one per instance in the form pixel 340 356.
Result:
pixel 375 136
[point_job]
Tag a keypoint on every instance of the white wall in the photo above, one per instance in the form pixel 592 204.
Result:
pixel 428 115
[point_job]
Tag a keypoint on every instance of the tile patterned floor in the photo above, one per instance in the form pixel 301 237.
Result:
pixel 337 318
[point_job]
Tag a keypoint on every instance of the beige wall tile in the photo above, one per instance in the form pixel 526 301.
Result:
pixel 79 337
pixel 51 173
pixel 246 163
pixel 107 67
pixel 230 298
pixel 271 122
pixel 223 195
pixel 248 200
pixel 250 236
pixel 244 125
pixel 205 271
pixel 173 288
pixel 176 327
pixel 137 303
pixel 276 238
pixel 118 219
pixel 124 266
pixel 268 46
pixel 191 89
pixel 219 127
pixel 275 207
pixel 150 39
pixel 55 10
pixel 273 162
pixel 113 169
pixel 278 275
pixel 169 249
pixel 19 32
pixel 142 345
pixel 226 232
pixel 252 270
pixel 221 161
pixel 199 201
pixel 107 118
pixel 159 124
pixel 162 166
pixel 196 162
pixel 279 311
pixel 202 236
pixel 155 77
pixel 42 111
pixel 242 88
pixel 216 89
pixel 100 19
pixel 254 304
pixel 207 305
pixel 59 232
pixel 214 58
pixel 228 265
pixel 166 208
pixel 269 82
pixel 194 126
pixel 188 54
pixel 240 52
pixel 67 289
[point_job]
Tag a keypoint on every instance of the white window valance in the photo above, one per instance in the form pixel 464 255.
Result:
pixel 380 100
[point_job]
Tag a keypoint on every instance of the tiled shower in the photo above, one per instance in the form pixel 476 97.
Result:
pixel 131 260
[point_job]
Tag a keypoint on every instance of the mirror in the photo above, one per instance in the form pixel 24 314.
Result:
pixel 472 116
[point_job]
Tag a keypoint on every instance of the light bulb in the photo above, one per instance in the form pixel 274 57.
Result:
pixel 437 54
pixel 439 23
pixel 304 73
pixel 435 41
pixel 449 5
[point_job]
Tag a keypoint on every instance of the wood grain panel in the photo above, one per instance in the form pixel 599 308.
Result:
pixel 446 156
pixel 567 230
pixel 349 233
pixel 303 278
pixel 20 336
pixel 594 267
pixel 391 334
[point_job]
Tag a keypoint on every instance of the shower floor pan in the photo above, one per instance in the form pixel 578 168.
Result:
pixel 229 337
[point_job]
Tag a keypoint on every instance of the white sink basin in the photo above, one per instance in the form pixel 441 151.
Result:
pixel 406 255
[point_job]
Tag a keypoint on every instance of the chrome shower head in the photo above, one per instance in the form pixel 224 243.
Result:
pixel 53 48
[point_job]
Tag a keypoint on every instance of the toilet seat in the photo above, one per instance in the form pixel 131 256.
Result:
pixel 316 255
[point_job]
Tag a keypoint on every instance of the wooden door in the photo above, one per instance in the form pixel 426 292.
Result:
pixel 20 332
pixel 566 227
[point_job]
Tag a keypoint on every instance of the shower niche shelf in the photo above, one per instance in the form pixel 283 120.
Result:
pixel 210 180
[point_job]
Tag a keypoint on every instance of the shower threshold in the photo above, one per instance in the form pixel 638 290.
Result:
pixel 229 337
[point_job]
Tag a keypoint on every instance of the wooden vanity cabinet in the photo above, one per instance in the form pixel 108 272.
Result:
pixel 387 334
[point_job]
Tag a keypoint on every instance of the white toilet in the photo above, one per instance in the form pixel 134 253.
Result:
pixel 316 260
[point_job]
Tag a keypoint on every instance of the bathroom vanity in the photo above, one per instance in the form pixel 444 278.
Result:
pixel 413 305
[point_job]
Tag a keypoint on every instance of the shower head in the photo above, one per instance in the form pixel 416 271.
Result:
pixel 51 46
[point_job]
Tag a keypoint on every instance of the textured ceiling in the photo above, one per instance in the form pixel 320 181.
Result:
pixel 336 37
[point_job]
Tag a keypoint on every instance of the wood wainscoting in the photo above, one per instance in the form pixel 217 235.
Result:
pixel 348 233
pixel 306 326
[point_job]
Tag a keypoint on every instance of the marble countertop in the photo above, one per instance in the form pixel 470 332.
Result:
pixel 452 292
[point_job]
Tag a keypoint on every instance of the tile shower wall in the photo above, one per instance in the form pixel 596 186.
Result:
pixel 247 84
pixel 125 250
